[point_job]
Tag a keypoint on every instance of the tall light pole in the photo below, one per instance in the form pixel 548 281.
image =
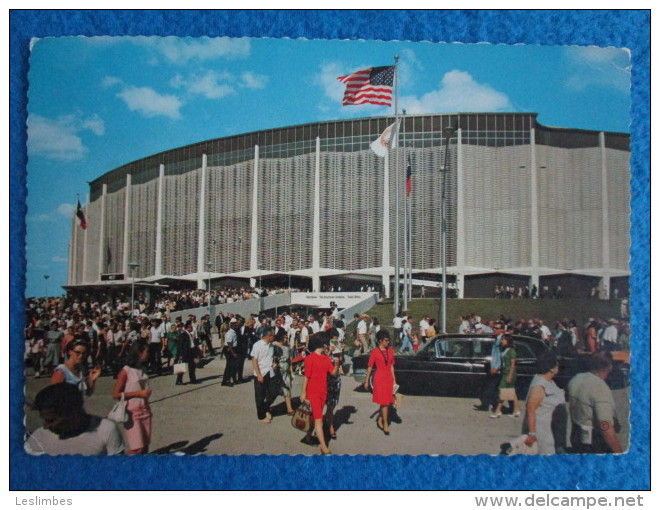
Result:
pixel 208 268
pixel 46 283
pixel 133 266
pixel 448 132
pixel 290 268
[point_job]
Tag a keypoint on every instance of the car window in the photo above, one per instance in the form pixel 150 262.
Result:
pixel 453 348
pixel 523 350
pixel 482 348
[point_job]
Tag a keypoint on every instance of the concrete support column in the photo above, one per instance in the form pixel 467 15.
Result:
pixel 75 270
pixel 534 279
pixel 102 240
pixel 254 225
pixel 71 276
pixel 158 263
pixel 605 236
pixel 316 229
pixel 127 224
pixel 534 206
pixel 84 268
pixel 460 285
pixel 604 287
pixel 386 227
pixel 201 238
pixel 460 203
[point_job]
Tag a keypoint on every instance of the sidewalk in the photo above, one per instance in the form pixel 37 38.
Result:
pixel 212 419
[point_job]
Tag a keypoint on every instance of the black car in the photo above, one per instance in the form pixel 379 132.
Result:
pixel 456 365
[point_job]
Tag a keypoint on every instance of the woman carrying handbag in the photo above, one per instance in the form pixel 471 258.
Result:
pixel 133 385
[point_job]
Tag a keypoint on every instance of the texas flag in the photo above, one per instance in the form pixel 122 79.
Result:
pixel 80 215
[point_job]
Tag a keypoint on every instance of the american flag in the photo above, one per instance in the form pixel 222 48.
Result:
pixel 372 85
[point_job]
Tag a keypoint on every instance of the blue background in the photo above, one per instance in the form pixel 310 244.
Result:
pixel 630 29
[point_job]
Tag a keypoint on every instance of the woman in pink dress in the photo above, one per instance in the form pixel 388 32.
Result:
pixel 384 379
pixel 133 382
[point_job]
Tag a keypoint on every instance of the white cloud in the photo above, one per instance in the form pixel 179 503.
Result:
pixel 458 92
pixel 63 210
pixel 110 81
pixel 327 80
pixel 252 80
pixel 60 138
pixel 409 65
pixel 217 84
pixel 150 103
pixel 66 210
pixel 209 86
pixel 95 124
pixel 593 66
pixel 181 50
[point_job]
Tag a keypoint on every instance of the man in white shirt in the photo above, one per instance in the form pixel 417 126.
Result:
pixel 68 429
pixel 423 326
pixel 266 386
pixel 156 345
pixel 397 324
pixel 592 408
pixel 231 355
pixel 362 337
pixel 610 334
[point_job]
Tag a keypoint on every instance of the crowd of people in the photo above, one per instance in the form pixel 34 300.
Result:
pixel 74 342
pixel 510 291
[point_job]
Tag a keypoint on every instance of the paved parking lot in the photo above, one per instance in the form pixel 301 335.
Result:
pixel 211 419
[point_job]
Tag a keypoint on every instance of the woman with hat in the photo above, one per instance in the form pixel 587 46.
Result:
pixel 382 358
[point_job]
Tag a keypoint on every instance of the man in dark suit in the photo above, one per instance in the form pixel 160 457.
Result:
pixel 188 353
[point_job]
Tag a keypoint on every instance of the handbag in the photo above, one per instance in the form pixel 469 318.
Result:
pixel 302 417
pixel 118 412
pixel 180 368
pixel 518 447
pixel 507 394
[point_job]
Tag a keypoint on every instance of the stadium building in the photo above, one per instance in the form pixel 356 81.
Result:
pixel 527 205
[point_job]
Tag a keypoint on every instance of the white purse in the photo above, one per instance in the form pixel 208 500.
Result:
pixel 118 413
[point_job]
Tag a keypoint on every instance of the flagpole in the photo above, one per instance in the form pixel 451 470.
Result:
pixel 409 233
pixel 405 233
pixel 397 179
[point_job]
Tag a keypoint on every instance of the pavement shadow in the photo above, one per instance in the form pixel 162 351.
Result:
pixel 343 416
pixel 183 448
pixel 201 445
pixel 170 448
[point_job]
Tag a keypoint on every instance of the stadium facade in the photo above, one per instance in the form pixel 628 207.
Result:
pixel 527 204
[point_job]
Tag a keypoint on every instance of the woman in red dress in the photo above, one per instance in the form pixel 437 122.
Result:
pixel 315 384
pixel 384 380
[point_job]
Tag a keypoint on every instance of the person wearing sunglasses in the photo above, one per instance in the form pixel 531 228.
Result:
pixel 72 371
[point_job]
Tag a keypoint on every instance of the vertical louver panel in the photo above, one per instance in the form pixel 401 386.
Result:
pixel 114 231
pixel 93 215
pixel 180 222
pixel 570 207
pixel 227 229
pixel 618 171
pixel 142 223
pixel 286 194
pixel 351 209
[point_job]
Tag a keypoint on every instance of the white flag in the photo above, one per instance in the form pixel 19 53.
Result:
pixel 387 140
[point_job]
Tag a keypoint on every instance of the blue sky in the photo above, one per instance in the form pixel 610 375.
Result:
pixel 98 103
